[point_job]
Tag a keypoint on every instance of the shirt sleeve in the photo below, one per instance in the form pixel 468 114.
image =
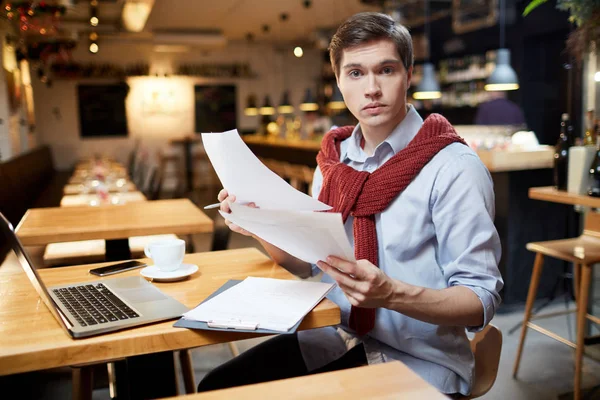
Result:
pixel 462 207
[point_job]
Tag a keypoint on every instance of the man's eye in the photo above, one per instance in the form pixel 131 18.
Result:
pixel 355 73
pixel 387 70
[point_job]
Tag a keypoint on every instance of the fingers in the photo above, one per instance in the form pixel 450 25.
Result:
pixel 222 195
pixel 340 277
pixel 225 203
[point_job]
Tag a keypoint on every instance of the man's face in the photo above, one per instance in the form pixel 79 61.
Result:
pixel 374 82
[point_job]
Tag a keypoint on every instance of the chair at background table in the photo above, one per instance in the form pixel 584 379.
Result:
pixel 583 252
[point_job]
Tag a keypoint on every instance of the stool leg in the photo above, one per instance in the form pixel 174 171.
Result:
pixel 582 302
pixel 533 287
pixel 576 279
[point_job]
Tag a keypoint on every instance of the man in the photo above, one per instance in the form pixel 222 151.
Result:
pixel 418 206
pixel 498 110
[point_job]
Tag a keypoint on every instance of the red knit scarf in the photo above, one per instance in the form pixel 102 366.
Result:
pixel 363 194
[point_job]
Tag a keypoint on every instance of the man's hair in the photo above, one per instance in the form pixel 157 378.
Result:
pixel 366 27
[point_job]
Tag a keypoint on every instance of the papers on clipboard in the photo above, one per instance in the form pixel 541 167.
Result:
pixel 261 303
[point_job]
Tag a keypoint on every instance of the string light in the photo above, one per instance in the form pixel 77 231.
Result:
pixel 298 52
pixel 94 48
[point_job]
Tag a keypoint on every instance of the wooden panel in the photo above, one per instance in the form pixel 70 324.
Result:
pixel 67 224
pixel 551 194
pixel 31 339
pixel 392 380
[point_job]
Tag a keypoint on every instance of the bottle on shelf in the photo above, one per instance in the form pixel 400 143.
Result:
pixel 594 177
pixel 589 136
pixel 561 153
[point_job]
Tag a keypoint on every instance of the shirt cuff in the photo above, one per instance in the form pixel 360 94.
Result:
pixel 489 307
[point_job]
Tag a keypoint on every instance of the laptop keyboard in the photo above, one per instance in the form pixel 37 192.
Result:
pixel 94 304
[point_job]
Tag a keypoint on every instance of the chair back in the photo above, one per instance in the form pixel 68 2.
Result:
pixel 486 347
pixel 592 224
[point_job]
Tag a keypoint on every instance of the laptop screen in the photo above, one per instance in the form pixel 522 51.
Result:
pixel 7 231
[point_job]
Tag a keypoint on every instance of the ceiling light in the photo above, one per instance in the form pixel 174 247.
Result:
pixel 597 76
pixel 285 107
pixel 429 87
pixel 135 14
pixel 298 52
pixel 94 21
pixel 94 48
pixel 267 108
pixel 309 103
pixel 504 77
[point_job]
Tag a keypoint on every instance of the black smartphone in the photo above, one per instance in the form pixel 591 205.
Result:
pixel 116 268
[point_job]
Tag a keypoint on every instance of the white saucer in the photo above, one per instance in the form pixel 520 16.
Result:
pixel 182 272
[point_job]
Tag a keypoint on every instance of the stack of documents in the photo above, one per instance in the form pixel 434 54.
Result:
pixel 285 217
pixel 261 303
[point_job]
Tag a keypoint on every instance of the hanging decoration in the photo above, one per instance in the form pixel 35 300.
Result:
pixel 34 17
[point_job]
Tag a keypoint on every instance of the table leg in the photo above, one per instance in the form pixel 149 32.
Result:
pixel 189 173
pixel 82 382
pixel 117 250
pixel 146 377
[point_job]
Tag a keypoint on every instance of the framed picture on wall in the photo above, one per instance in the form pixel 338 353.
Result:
pixel 471 15
pixel 102 110
pixel 215 108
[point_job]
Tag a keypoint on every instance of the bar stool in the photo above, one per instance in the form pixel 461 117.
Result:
pixel 583 252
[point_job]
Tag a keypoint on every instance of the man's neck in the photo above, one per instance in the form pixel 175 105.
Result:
pixel 374 135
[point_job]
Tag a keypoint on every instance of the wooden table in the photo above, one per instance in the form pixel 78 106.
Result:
pixel 112 188
pixel 31 339
pixel 93 199
pixel 41 226
pixel 550 193
pixel 392 380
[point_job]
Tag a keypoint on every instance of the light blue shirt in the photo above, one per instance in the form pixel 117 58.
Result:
pixel 439 232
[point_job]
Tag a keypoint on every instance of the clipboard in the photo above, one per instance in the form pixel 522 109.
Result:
pixel 186 323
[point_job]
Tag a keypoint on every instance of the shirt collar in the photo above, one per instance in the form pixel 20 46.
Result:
pixel 400 137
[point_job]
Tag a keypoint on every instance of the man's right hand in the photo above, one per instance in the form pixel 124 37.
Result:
pixel 225 198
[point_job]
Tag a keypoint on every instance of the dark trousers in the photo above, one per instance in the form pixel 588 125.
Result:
pixel 277 358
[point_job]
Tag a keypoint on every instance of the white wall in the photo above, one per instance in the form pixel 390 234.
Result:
pixel 15 135
pixel 57 109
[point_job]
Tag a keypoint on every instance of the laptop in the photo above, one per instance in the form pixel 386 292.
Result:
pixel 101 306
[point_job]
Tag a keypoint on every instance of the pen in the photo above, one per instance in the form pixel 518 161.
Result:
pixel 211 206
pixel 232 325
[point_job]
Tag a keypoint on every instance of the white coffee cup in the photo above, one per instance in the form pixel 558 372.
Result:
pixel 167 254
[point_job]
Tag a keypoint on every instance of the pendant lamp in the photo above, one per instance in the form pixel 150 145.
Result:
pixel 285 107
pixel 309 103
pixel 337 100
pixel 428 88
pixel 503 77
pixel 267 108
pixel 251 110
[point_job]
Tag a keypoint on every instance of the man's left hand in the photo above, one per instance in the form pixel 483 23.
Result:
pixel 363 283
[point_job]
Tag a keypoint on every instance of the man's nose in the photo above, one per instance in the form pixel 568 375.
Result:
pixel 373 89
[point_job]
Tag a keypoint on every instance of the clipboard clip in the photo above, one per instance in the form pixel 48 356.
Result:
pixel 233 324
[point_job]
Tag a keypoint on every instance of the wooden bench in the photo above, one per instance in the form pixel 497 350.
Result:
pixel 27 181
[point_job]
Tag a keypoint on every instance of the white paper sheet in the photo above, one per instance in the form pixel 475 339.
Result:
pixel 274 304
pixel 243 175
pixel 309 236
